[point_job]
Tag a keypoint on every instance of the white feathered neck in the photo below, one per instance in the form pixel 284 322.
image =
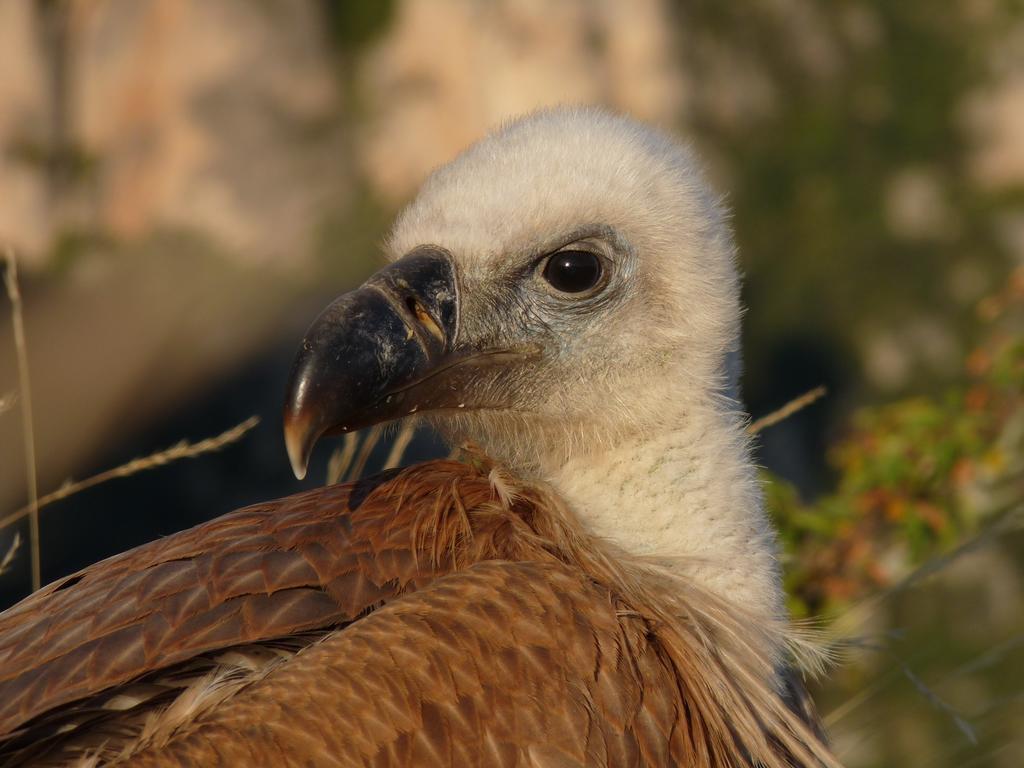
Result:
pixel 635 422
pixel 688 498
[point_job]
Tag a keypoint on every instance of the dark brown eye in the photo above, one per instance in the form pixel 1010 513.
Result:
pixel 573 271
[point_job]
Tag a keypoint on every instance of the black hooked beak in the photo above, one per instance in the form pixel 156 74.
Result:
pixel 386 350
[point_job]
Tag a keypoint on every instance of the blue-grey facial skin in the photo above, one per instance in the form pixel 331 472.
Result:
pixel 422 336
pixel 509 304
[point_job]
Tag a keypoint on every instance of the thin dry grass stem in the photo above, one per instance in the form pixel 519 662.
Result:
pixel 855 701
pixel 989 657
pixel 400 445
pixel 783 413
pixel 857 615
pixel 369 443
pixel 901 669
pixel 178 451
pixel 8 558
pixel 341 458
pixel 941 705
pixel 27 431
pixel 7 401
pixel 990 757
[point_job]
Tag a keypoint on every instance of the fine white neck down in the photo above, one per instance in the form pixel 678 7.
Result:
pixel 628 411
pixel 687 497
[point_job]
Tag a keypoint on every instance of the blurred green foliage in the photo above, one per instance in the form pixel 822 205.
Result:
pixel 915 554
pixel 839 101
pixel 916 476
pixel 353 24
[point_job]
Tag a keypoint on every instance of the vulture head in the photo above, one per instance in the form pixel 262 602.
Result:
pixel 564 294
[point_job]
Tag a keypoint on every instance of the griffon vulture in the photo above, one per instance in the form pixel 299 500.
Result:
pixel 596 585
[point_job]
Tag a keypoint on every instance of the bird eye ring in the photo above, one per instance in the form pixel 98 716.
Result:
pixel 573 271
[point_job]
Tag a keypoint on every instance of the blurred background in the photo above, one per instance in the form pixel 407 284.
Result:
pixel 185 184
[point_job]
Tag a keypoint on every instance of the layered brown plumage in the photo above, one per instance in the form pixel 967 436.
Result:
pixel 605 592
pixel 415 618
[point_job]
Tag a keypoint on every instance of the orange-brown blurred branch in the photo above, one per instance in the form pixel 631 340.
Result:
pixel 181 450
pixel 401 444
pixel 27 430
pixel 8 557
pixel 787 410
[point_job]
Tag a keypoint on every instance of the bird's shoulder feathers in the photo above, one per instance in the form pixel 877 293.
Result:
pixel 420 617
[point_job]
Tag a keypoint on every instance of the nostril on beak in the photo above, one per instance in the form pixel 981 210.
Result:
pixel 424 319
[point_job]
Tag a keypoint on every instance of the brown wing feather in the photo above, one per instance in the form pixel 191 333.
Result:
pixel 489 632
pixel 504 664
pixel 311 560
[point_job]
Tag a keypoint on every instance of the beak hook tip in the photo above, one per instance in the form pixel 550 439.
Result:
pixel 299 446
pixel 298 470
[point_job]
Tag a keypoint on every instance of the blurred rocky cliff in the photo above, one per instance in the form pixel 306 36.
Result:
pixel 175 173
pixel 185 181
pixel 231 119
